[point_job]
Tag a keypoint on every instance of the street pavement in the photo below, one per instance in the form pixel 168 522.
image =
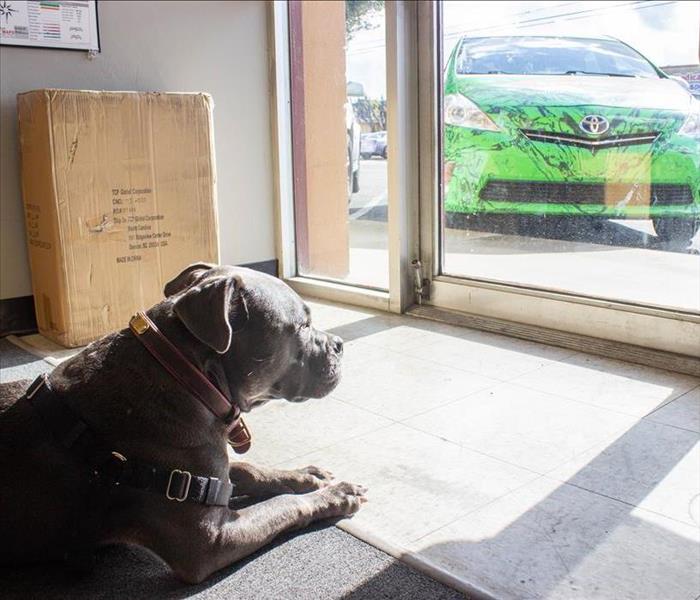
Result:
pixel 371 201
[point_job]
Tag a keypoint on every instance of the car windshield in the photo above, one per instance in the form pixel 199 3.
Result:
pixel 550 56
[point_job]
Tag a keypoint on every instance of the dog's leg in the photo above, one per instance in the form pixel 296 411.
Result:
pixel 244 531
pixel 252 480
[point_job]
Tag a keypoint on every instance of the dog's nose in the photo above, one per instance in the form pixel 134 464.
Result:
pixel 337 344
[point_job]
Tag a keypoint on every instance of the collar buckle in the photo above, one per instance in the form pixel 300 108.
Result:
pixel 139 324
pixel 239 437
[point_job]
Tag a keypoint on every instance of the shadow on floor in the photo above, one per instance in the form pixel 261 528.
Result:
pixel 16 363
pixel 12 356
pixel 581 537
pixel 575 543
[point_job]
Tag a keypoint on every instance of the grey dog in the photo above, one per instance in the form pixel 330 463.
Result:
pixel 252 336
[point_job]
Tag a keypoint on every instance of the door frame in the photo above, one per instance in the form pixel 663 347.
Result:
pixel 414 217
pixel 401 55
pixel 659 328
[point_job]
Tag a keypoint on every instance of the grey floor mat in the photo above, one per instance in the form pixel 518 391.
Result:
pixel 317 564
pixel 16 363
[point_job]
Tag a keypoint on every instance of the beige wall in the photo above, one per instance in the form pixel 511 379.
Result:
pixel 217 47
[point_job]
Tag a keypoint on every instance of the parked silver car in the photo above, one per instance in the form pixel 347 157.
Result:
pixel 373 144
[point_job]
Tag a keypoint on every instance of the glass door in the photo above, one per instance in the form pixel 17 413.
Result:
pixel 339 136
pixel 566 150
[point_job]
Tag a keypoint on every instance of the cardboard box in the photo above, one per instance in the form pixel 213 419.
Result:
pixel 119 194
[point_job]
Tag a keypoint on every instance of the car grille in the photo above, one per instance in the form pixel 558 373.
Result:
pixel 613 141
pixel 582 193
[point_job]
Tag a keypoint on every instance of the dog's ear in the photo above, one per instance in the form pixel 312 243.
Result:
pixel 186 278
pixel 212 310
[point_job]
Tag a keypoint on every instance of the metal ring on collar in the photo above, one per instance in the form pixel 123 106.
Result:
pixel 188 480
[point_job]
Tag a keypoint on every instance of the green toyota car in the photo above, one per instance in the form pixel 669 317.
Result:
pixel 568 126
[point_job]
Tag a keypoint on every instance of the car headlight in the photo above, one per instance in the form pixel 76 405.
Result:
pixel 691 127
pixel 462 112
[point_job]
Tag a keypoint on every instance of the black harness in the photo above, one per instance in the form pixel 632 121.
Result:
pixel 109 468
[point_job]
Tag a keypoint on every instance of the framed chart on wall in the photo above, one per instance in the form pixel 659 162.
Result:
pixel 64 24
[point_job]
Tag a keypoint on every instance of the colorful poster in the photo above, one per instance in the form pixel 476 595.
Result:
pixel 49 24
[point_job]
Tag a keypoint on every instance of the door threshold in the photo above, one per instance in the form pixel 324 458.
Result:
pixel 649 357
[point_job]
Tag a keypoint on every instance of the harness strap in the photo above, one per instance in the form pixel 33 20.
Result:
pixel 112 468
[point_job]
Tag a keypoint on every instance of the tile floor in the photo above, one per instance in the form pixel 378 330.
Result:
pixel 525 470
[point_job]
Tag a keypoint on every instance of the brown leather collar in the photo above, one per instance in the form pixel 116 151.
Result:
pixel 192 379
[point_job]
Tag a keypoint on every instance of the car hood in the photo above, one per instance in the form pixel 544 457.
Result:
pixel 558 102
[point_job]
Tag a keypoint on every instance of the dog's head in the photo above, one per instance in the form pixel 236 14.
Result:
pixel 259 331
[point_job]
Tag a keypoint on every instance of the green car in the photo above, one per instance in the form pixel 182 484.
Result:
pixel 567 126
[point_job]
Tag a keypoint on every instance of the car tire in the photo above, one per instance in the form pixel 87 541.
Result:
pixel 675 230
pixel 384 155
pixel 365 156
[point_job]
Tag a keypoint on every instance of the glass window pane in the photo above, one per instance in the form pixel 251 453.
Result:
pixel 571 147
pixel 339 138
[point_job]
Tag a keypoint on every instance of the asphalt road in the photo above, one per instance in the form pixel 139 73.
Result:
pixel 371 200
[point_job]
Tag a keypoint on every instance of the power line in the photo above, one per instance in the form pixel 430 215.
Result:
pixel 538 20
pixel 378 42
pixel 539 9
pixel 635 5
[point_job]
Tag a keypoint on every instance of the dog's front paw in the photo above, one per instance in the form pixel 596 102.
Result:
pixel 320 477
pixel 308 479
pixel 340 500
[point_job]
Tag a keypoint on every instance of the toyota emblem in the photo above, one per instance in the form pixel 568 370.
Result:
pixel 594 124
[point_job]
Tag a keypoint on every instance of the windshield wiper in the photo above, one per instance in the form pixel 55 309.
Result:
pixel 576 72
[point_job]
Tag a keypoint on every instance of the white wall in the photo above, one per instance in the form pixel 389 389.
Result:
pixel 216 47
